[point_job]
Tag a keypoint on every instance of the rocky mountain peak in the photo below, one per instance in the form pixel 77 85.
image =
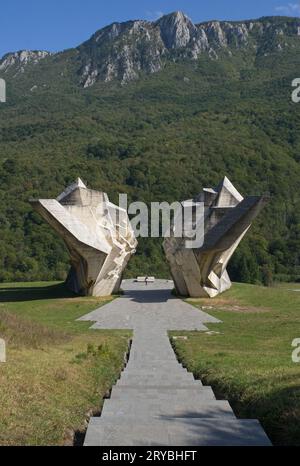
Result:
pixel 176 29
pixel 20 59
pixel 124 51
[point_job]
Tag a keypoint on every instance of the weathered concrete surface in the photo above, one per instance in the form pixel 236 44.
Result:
pixel 201 271
pixel 98 236
pixel 156 401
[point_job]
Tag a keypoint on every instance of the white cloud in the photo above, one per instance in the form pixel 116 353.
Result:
pixel 154 15
pixel 291 9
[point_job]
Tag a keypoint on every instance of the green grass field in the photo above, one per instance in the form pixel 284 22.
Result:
pixel 57 371
pixel 249 362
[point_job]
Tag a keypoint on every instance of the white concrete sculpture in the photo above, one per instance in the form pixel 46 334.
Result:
pixel 202 272
pixel 98 236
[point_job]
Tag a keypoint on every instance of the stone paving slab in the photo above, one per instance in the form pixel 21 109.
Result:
pixel 155 372
pixel 179 386
pixel 159 391
pixel 149 306
pixel 180 397
pixel 157 401
pixel 145 383
pixel 178 432
pixel 199 407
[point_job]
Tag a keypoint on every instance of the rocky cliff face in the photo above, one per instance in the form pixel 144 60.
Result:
pixel 122 51
pixel 176 30
pixel 19 60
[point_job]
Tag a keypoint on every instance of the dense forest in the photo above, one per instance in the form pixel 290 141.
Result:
pixel 162 137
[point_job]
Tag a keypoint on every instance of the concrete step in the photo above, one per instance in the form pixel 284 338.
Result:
pixel 160 353
pixel 172 363
pixel 147 380
pixel 142 372
pixel 153 383
pixel 174 373
pixel 119 392
pixel 195 385
pixel 140 369
pixel 190 385
pixel 151 360
pixel 179 432
pixel 175 407
pixel 141 363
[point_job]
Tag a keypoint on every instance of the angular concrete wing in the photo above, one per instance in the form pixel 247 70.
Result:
pixel 98 236
pixel 201 272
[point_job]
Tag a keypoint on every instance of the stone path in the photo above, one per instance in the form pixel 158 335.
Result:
pixel 156 401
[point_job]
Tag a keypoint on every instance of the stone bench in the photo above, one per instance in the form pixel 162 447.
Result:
pixel 143 279
pixel 140 279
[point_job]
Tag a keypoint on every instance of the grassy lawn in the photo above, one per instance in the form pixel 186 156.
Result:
pixel 57 370
pixel 249 361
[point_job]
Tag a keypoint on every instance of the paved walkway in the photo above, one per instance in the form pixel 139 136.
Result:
pixel 156 401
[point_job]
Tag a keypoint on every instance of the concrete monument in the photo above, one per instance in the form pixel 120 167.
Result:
pixel 201 272
pixel 98 236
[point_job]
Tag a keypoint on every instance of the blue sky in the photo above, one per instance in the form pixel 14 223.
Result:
pixel 59 24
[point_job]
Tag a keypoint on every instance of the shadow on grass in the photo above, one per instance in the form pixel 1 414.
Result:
pixel 12 293
pixel 277 409
pixel 278 412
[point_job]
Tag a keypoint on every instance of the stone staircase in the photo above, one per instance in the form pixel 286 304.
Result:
pixel 158 402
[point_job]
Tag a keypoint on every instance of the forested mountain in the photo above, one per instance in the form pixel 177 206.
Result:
pixel 157 110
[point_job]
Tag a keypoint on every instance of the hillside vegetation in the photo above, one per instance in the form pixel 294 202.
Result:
pixel 160 137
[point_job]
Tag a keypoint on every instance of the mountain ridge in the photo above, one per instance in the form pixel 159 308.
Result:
pixel 123 50
pixel 177 125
